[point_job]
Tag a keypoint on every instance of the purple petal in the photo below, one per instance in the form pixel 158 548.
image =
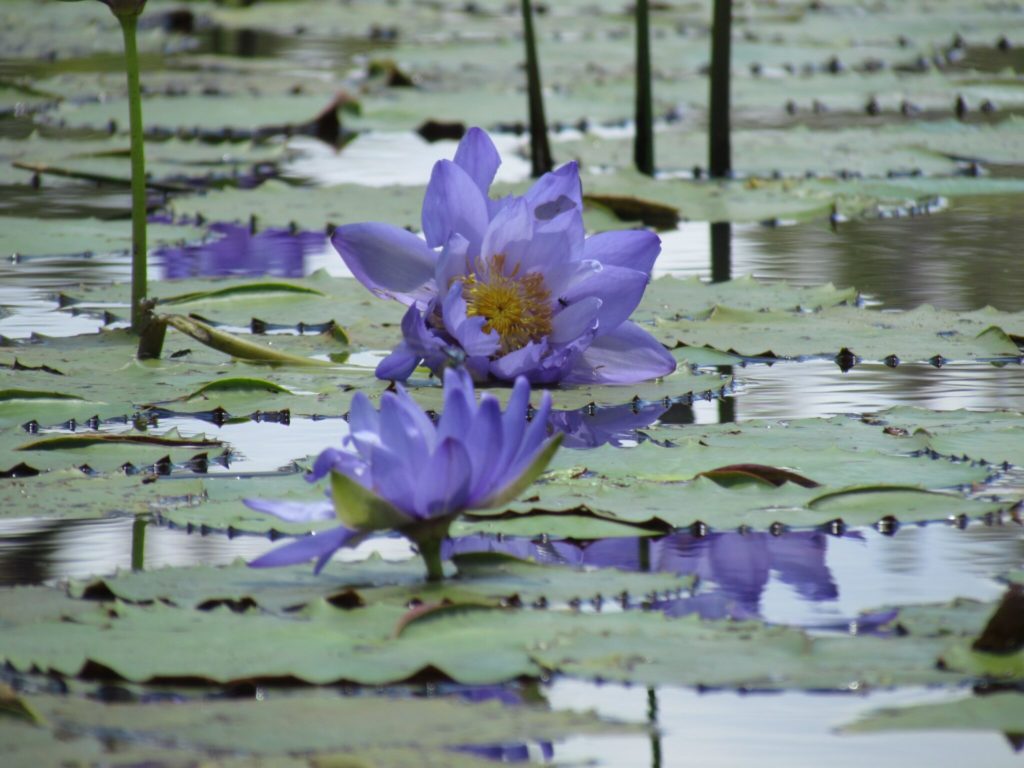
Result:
pixel 458 385
pixel 453 204
pixel 293 511
pixel 404 427
pixel 392 476
pixel 521 362
pixel 457 419
pixel 443 485
pixel 363 424
pixel 453 264
pixel 575 320
pixel 548 250
pixel 384 258
pixel 633 248
pixel 479 158
pixel 511 229
pixel 319 545
pixel 513 422
pixel 332 459
pixel 468 331
pixel 562 278
pixel 548 191
pixel 399 365
pixel 624 356
pixel 481 443
pixel 619 289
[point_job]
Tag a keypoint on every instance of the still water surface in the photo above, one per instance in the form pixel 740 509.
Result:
pixel 807 578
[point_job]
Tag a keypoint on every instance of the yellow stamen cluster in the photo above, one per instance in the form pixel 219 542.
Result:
pixel 517 306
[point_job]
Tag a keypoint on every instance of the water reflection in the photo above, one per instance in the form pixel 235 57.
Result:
pixel 614 425
pixel 819 389
pixel 804 578
pixel 800 578
pixel 904 262
pixel 509 752
pixel 932 259
pixel 237 251
pixel 732 569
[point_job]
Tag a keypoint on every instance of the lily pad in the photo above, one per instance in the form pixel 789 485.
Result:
pixel 190 729
pixel 324 643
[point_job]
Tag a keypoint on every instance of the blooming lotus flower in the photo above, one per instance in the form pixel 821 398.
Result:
pixel 510 287
pixel 401 471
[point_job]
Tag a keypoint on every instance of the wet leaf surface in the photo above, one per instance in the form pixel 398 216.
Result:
pixel 841 112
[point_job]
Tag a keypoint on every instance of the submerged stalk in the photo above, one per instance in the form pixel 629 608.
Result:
pixel 643 142
pixel 129 23
pixel 719 146
pixel 430 551
pixel 540 150
pixel 138 543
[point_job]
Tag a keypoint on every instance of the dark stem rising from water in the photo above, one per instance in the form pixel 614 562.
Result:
pixel 138 544
pixel 719 148
pixel 643 142
pixel 540 150
pixel 129 23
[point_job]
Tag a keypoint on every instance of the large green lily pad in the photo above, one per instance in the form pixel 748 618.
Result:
pixel 188 730
pixel 483 578
pixel 381 642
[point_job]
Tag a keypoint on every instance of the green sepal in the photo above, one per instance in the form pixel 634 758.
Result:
pixel 233 345
pixel 362 510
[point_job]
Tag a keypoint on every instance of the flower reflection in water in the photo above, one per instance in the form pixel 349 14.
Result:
pixel 616 425
pixel 239 252
pixel 511 752
pixel 733 569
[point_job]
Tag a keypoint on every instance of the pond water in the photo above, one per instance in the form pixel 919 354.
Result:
pixel 827 582
pixel 815 580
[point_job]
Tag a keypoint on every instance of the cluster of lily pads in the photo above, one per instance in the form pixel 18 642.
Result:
pixel 506 293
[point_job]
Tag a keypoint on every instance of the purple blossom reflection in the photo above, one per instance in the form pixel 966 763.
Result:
pixel 734 569
pixel 741 565
pixel 511 752
pixel 617 425
pixel 239 252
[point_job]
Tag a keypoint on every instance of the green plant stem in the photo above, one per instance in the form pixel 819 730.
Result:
pixel 719 147
pixel 430 551
pixel 540 150
pixel 129 23
pixel 138 543
pixel 721 251
pixel 643 142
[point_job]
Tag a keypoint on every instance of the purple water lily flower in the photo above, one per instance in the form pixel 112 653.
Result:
pixel 401 471
pixel 510 287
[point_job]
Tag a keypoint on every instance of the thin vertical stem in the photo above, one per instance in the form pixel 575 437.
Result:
pixel 721 251
pixel 652 721
pixel 129 23
pixel 138 543
pixel 726 403
pixel 644 553
pixel 643 142
pixel 430 551
pixel 719 147
pixel 540 150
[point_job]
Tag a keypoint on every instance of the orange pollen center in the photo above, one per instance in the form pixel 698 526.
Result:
pixel 517 306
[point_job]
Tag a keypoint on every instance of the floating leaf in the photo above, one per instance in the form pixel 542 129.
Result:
pixel 64 442
pixel 736 474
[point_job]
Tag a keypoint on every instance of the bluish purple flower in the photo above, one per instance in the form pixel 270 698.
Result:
pixel 399 470
pixel 510 287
